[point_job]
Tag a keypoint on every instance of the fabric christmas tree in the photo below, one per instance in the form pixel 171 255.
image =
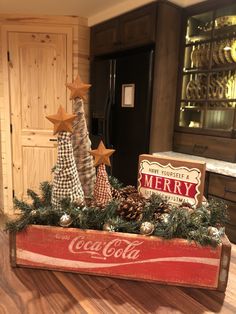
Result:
pixel 66 183
pixel 102 190
pixel 80 138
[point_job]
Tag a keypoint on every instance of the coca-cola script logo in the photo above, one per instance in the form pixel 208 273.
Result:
pixel 116 248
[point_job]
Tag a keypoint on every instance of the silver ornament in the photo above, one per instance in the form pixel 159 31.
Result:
pixel 165 218
pixel 108 227
pixel 213 231
pixel 33 213
pixel 147 228
pixel 65 220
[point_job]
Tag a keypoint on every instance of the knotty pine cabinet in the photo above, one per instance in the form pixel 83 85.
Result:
pixel 130 30
pixel 206 106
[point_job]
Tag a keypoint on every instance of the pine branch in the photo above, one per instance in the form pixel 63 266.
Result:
pixel 46 189
pixel 151 206
pixel 218 212
pixel 23 206
pixel 115 183
pixel 37 202
pixel 180 222
pixel 18 224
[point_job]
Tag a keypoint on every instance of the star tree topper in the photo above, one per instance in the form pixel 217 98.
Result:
pixel 102 155
pixel 62 121
pixel 78 88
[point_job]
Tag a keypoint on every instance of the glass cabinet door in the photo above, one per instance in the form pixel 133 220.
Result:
pixel 208 95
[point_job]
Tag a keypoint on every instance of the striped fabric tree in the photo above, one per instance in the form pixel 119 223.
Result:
pixel 80 138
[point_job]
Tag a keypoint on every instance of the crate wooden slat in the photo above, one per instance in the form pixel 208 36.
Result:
pixel 122 255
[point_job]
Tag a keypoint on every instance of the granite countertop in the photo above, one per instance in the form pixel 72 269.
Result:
pixel 212 165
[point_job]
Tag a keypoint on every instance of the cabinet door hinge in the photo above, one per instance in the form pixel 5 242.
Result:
pixel 11 128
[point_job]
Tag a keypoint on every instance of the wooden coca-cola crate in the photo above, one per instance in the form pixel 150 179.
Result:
pixel 122 255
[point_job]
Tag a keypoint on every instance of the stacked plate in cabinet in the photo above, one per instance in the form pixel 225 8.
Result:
pixel 223 52
pixel 220 86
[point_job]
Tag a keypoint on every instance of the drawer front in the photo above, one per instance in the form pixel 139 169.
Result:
pixel 205 146
pixel 222 186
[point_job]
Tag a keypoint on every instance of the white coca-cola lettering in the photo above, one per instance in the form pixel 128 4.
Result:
pixel 127 253
pixel 117 248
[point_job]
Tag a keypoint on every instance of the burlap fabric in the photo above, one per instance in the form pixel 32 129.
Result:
pixel 81 146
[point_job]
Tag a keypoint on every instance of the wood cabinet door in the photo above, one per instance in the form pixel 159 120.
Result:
pixel 37 74
pixel 105 37
pixel 138 27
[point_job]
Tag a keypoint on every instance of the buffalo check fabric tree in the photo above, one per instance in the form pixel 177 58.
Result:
pixel 80 138
pixel 66 183
pixel 102 190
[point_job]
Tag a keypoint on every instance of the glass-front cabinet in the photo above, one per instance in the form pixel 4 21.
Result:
pixel 207 100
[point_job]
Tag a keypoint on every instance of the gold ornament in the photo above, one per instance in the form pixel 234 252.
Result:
pixel 108 227
pixel 147 228
pixel 65 221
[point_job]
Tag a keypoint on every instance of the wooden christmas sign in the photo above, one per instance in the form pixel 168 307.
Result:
pixel 122 255
pixel 176 180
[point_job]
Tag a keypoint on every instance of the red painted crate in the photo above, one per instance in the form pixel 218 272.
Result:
pixel 122 255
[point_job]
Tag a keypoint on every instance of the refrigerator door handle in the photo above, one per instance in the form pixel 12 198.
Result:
pixel 113 89
pixel 109 102
pixel 107 122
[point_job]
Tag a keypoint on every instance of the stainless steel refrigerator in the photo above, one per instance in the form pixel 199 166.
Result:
pixel 121 97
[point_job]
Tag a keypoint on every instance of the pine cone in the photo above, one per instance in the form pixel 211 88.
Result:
pixel 187 206
pixel 163 208
pixel 115 193
pixel 127 190
pixel 131 208
pixel 93 203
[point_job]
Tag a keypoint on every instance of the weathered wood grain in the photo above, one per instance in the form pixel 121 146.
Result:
pixel 36 291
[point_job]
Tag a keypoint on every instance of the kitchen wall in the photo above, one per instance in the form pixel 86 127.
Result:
pixel 80 64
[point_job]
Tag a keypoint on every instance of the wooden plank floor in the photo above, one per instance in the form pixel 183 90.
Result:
pixel 37 291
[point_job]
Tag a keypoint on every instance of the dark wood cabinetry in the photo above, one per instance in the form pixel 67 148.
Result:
pixel 207 91
pixel 105 37
pixel 130 30
pixel 224 187
pixel 156 26
pixel 206 146
pixel 138 27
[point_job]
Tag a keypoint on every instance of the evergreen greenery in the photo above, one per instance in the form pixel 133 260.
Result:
pixel 191 224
